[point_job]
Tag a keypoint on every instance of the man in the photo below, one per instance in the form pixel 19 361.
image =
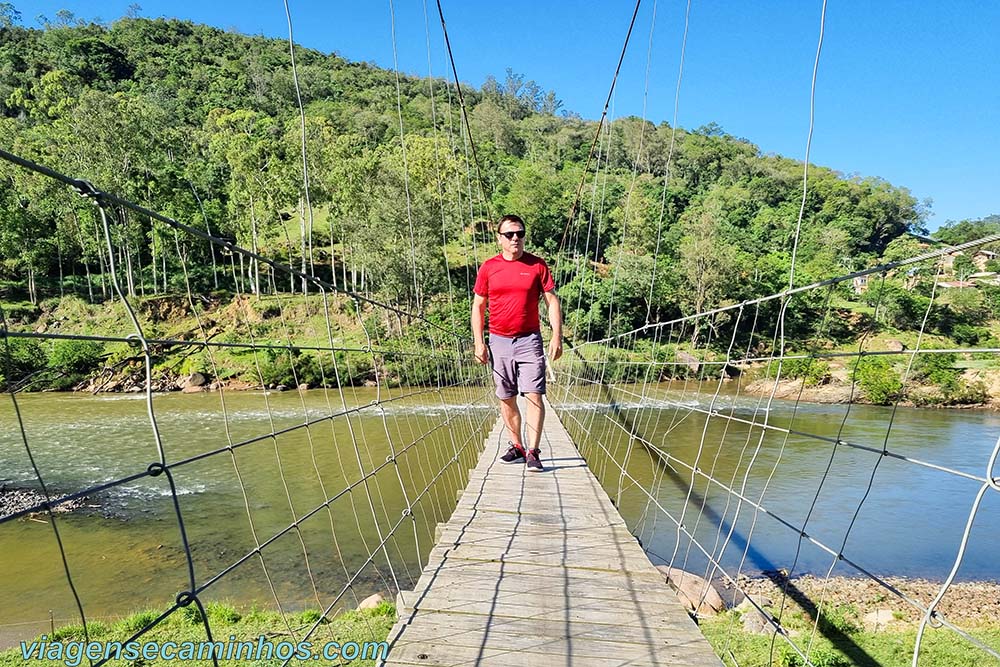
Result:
pixel 513 283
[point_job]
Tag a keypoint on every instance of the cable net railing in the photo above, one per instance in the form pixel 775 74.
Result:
pixel 306 483
pixel 739 439
pixel 701 430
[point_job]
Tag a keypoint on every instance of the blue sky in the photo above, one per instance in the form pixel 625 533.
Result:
pixel 909 91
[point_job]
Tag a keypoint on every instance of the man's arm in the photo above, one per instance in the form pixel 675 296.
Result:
pixel 478 315
pixel 555 319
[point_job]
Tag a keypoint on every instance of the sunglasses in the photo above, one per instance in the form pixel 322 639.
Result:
pixel 509 235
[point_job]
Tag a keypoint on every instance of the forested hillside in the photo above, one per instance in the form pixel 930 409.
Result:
pixel 202 125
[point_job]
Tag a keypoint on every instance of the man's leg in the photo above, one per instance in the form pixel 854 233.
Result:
pixel 512 418
pixel 536 417
pixel 505 376
pixel 531 384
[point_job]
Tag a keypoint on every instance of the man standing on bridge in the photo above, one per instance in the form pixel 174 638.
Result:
pixel 513 283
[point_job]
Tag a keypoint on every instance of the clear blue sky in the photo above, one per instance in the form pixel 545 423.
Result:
pixel 909 91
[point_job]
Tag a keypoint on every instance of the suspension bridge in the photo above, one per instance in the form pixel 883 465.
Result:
pixel 655 452
pixel 541 570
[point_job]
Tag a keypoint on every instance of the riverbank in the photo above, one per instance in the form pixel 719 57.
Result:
pixel 253 333
pixel 967 604
pixel 862 623
pixel 847 635
pixel 838 390
pixel 267 342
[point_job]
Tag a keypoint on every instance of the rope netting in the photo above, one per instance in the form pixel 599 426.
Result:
pixel 305 485
pixel 333 487
pixel 699 427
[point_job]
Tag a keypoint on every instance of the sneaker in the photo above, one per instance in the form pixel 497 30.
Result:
pixel 534 463
pixel 514 455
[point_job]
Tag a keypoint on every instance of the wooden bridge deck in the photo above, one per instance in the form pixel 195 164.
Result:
pixel 540 569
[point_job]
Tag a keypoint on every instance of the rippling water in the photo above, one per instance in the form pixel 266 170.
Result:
pixel 127 554
pixel 909 523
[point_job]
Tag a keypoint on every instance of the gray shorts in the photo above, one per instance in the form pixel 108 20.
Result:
pixel 518 365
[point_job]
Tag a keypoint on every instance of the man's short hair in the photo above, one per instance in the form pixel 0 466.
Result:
pixel 510 218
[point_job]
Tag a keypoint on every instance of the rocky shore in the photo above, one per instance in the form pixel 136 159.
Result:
pixel 840 392
pixel 862 602
pixel 967 603
pixel 17 499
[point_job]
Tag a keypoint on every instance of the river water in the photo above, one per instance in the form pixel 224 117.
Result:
pixel 889 516
pixel 126 554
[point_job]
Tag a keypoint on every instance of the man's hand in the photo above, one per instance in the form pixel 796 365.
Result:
pixel 555 321
pixel 555 349
pixel 482 356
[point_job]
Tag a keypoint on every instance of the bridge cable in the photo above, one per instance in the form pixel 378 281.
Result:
pixel 600 125
pixel 485 189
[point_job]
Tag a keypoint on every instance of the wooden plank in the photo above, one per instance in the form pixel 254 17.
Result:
pixel 444 655
pixel 459 570
pixel 642 640
pixel 570 588
pixel 546 603
pixel 496 517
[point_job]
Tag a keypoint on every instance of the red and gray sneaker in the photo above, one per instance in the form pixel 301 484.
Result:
pixel 533 460
pixel 515 454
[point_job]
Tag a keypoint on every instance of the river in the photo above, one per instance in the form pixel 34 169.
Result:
pixel 125 554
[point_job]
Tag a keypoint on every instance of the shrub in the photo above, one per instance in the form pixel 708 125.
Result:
pixel 19 359
pixel 812 371
pixel 877 379
pixel 967 334
pixel 277 368
pixel 285 367
pixel 198 362
pixel 75 356
pixel 21 311
pixel 938 368
pixel 73 360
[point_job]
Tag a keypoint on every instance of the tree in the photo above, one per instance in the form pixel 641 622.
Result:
pixel 9 16
pixel 259 185
pixel 707 265
pixel 963 231
pixel 542 197
pixel 963 267
pixel 902 248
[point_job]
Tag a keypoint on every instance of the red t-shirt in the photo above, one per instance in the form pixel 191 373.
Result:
pixel 513 288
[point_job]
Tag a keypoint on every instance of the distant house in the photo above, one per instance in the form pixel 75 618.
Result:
pixel 985 278
pixel 952 284
pixel 979 259
pixel 860 284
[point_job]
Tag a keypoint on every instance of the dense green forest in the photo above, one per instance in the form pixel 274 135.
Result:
pixel 203 125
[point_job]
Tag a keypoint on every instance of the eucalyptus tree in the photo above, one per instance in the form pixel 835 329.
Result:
pixel 261 180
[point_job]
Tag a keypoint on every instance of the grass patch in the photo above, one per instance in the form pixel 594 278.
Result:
pixel 842 642
pixel 228 624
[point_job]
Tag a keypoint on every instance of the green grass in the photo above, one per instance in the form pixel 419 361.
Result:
pixel 841 642
pixel 978 364
pixel 184 625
